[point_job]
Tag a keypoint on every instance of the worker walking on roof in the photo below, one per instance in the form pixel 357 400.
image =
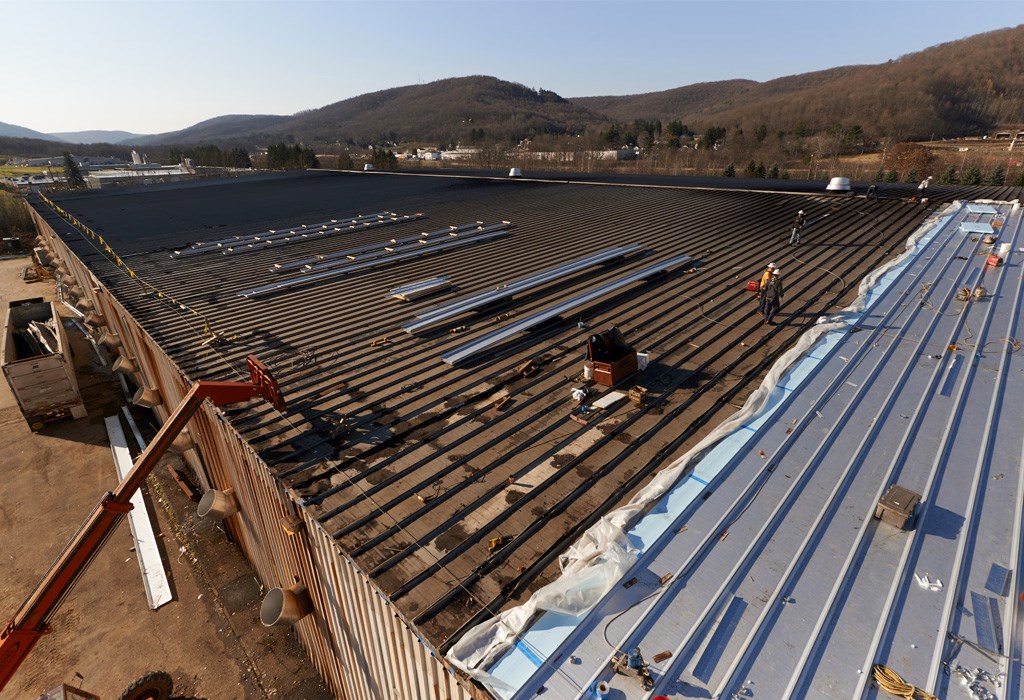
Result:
pixel 761 285
pixel 772 298
pixel 794 236
pixel 922 189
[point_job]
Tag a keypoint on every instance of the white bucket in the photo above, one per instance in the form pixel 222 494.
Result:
pixel 588 371
pixel 641 361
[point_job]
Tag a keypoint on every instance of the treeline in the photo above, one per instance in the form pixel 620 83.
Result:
pixel 15 221
pixel 211 156
pixel 283 157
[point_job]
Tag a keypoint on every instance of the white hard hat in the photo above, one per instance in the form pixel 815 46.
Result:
pixel 771 266
pixel 801 211
pixel 776 271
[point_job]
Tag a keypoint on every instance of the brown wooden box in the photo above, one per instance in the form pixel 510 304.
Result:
pixel 898 507
pixel 613 358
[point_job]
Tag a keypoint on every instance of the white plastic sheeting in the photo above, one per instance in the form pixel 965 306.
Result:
pixel 599 559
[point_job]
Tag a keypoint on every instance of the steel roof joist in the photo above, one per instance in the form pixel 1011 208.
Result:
pixel 491 339
pixel 461 306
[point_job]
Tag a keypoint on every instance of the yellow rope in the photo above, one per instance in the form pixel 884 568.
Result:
pixel 890 681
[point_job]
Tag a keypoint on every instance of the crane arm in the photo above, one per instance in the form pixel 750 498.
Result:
pixel 20 635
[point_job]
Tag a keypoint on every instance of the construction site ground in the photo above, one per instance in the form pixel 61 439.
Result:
pixel 104 636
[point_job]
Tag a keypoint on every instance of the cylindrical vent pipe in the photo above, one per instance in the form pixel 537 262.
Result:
pixel 285 606
pixel 124 365
pixel 111 341
pixel 182 443
pixel 217 504
pixel 147 398
pixel 85 305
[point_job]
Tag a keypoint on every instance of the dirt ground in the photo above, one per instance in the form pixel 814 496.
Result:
pixel 104 636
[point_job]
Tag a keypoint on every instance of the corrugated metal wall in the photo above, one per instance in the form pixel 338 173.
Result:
pixel 355 638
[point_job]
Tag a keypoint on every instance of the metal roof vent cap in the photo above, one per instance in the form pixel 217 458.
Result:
pixel 367 167
pixel 515 172
pixel 217 504
pixel 285 606
pixel 147 398
pixel 838 184
pixel 182 443
pixel 124 365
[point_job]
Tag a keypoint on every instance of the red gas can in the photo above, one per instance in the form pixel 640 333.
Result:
pixel 752 286
pixel 995 260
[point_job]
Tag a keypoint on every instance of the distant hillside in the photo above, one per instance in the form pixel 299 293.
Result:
pixel 228 128
pixel 98 136
pixel 476 108
pixel 20 132
pixel 970 86
pixel 704 100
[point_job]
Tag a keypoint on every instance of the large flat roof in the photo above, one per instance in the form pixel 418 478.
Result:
pixel 406 461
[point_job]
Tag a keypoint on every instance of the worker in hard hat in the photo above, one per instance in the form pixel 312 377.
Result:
pixel 922 189
pixel 772 297
pixel 764 280
pixel 794 236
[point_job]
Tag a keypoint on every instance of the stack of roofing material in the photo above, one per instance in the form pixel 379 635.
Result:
pixel 790 585
pixel 386 258
pixel 316 259
pixel 504 291
pixel 415 290
pixel 481 344
pixel 243 244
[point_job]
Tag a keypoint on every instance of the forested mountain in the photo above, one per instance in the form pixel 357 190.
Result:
pixel 971 86
pixel 98 136
pixel 20 132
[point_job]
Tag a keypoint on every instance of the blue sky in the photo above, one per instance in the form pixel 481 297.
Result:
pixel 150 65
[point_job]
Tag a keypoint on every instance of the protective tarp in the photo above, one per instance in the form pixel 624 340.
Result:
pixel 603 554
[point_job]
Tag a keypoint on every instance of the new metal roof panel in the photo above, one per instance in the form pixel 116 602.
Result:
pixel 783 584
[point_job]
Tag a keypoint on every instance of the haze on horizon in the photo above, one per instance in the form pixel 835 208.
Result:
pixel 150 67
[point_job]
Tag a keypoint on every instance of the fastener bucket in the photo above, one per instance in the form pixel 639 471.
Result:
pixel 285 606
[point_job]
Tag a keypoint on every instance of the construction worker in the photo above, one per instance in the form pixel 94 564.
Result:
pixel 764 280
pixel 772 295
pixel 794 236
pixel 922 189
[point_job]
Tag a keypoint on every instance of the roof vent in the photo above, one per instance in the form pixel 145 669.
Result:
pixel 515 172
pixel 838 184
pixel 368 166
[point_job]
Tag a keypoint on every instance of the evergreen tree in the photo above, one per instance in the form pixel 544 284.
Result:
pixel 773 172
pixel 72 173
pixel 949 176
pixel 761 171
pixel 751 169
pixel 892 176
pixel 730 170
pixel 761 132
pixel 911 175
pixel 998 175
pixel 1019 181
pixel 880 175
pixel 972 176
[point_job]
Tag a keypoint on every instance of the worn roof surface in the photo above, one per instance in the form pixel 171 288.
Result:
pixel 782 583
pixel 405 459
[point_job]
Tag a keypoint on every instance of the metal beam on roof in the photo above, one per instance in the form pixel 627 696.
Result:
pixel 415 290
pixel 306 262
pixel 243 244
pixel 209 246
pixel 339 272
pixel 480 344
pixel 461 306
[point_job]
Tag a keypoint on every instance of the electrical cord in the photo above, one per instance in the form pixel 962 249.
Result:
pixel 891 682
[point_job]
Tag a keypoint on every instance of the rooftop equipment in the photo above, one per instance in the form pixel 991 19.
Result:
pixel 838 184
pixel 613 358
